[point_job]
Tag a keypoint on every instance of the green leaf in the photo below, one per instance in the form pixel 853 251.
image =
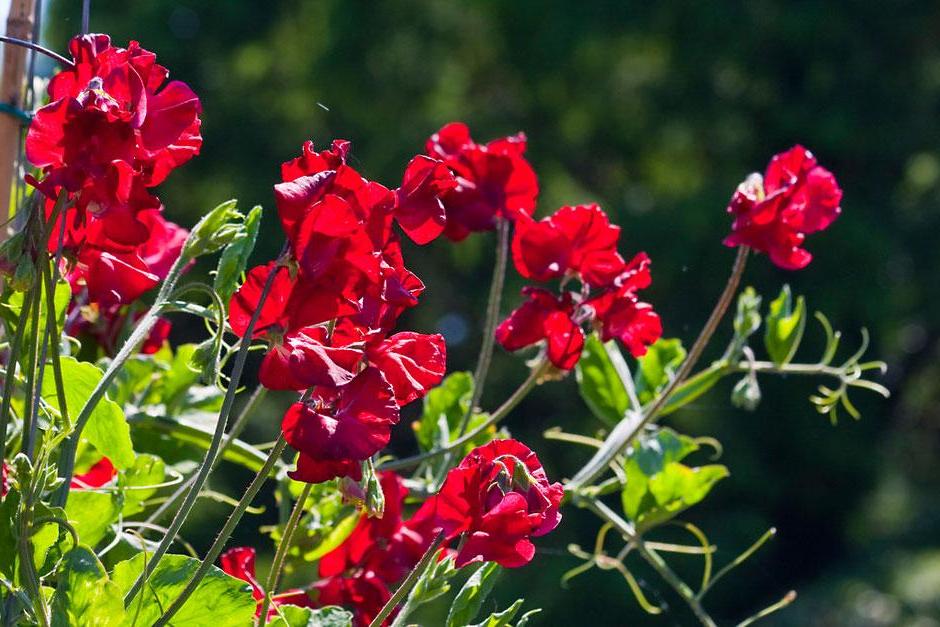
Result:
pixel 658 486
pixel 93 513
pixel 8 534
pixel 14 305
pixel 694 387
pixel 219 600
pixel 148 470
pixel 600 385
pixel 657 367
pixel 785 324
pixel 293 616
pixel 471 596
pixel 151 429
pixel 444 408
pixel 747 320
pixel 234 258
pixel 106 430
pixel 501 619
pixel 84 595
pixel 434 582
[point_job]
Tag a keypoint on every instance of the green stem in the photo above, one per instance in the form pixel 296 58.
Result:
pixel 634 422
pixel 406 586
pixel 237 427
pixel 53 331
pixel 225 533
pixel 283 547
pixel 521 392
pixel 489 328
pixel 651 557
pixel 489 333
pixel 207 463
pixel 31 409
pixel 9 382
pixel 140 333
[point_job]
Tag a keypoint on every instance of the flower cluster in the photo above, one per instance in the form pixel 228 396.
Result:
pixel 494 501
pixel 493 180
pixel 332 304
pixel 773 213
pixel 578 243
pixel 114 129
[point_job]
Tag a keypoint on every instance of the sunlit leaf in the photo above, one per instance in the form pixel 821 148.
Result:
pixel 219 600
pixel 657 367
pixel 293 616
pixel 470 598
pixel 106 430
pixel 599 384
pixel 93 513
pixel 784 326
pixel 234 258
pixel 84 594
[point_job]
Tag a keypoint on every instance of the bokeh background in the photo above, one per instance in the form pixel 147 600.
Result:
pixel 656 111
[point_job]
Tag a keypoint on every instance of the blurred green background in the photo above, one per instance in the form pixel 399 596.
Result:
pixel 656 111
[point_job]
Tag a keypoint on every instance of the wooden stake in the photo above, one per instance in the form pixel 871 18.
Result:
pixel 19 25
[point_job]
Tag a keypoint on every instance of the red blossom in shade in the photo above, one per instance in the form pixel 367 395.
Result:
pixel 240 563
pixel 157 337
pixel 305 359
pixel 4 482
pixel 544 317
pixel 364 594
pixel 412 363
pixel 114 273
pixel 102 472
pixel 774 213
pixel 338 427
pixel 496 499
pixel 378 554
pixel 418 207
pixel 578 240
pixel 493 180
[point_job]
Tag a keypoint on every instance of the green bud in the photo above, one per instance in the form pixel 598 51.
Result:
pixel 215 230
pixel 16 262
pixel 785 323
pixel 746 393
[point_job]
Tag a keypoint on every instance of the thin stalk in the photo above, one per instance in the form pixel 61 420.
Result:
pixel 632 424
pixel 9 382
pixel 141 331
pixel 37 48
pixel 489 328
pixel 206 467
pixel 521 392
pixel 237 427
pixel 225 533
pixel 406 586
pixel 283 547
pixel 651 557
pixel 31 410
pixel 51 278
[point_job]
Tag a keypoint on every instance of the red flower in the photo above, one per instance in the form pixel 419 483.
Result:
pixel 493 180
pixel 114 273
pixel 544 317
pixel 496 499
pixel 4 483
pixel 102 472
pixel 578 240
pixel 378 554
pixel 240 563
pixel 306 359
pixel 412 363
pixel 418 207
pixel 157 337
pixel 346 425
pixel 774 213
pixel 621 315
pixel 364 594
